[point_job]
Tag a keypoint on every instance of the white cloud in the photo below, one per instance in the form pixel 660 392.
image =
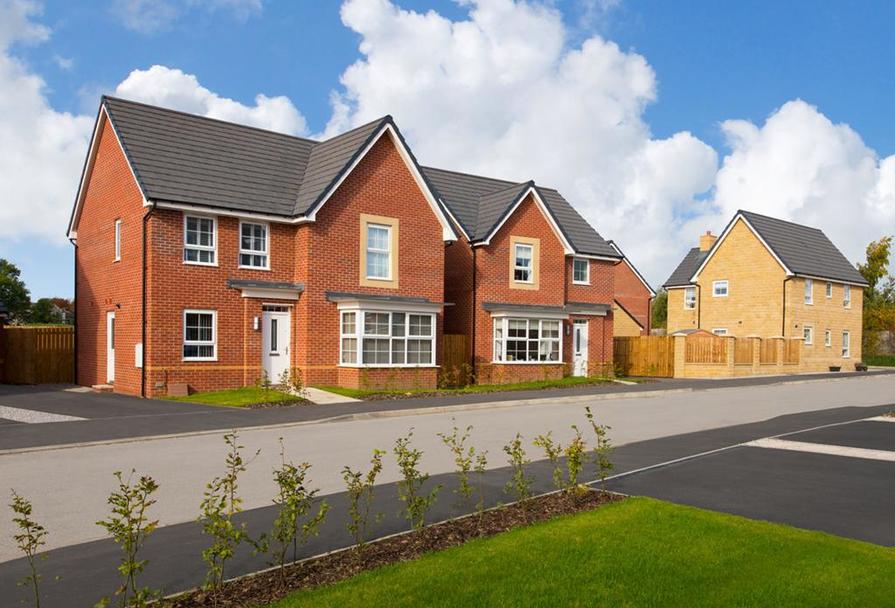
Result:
pixel 172 88
pixel 64 63
pixel 150 16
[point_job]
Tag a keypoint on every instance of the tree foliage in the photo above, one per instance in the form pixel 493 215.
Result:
pixel 659 310
pixel 13 292
pixel 879 296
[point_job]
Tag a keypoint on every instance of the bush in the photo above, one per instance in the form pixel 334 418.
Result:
pixel 574 453
pixel 552 451
pixel 360 499
pixel 29 540
pixel 519 484
pixel 463 461
pixel 416 504
pixel 602 449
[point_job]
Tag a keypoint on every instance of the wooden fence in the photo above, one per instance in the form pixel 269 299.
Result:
pixel 767 354
pixel 38 355
pixel 705 350
pixel 644 356
pixel 455 367
pixel 742 351
pixel 791 352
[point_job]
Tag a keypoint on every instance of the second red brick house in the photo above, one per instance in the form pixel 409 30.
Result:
pixel 210 254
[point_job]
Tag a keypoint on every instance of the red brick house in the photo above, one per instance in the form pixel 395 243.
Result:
pixel 633 299
pixel 212 254
pixel 529 280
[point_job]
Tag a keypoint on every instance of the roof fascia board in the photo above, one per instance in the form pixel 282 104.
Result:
pixel 829 279
pixel 727 231
pixel 207 210
pixel 567 247
pixel 448 233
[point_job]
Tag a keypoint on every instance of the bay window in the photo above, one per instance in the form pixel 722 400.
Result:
pixel 372 338
pixel 527 340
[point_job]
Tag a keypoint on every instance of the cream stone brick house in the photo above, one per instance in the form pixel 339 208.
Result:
pixel 765 277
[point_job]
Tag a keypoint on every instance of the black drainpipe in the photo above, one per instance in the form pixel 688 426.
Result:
pixel 699 306
pixel 474 309
pixel 783 333
pixel 143 312
pixel 75 307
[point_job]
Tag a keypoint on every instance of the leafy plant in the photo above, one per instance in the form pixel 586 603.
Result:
pixel 29 540
pixel 575 455
pixel 293 525
pixel 464 458
pixel 603 448
pixel 481 462
pixel 360 498
pixel 416 504
pixel 292 381
pixel 128 525
pixel 219 506
pixel 519 484
pixel 552 451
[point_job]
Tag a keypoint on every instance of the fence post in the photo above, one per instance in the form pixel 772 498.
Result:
pixel 781 353
pixel 680 347
pixel 731 354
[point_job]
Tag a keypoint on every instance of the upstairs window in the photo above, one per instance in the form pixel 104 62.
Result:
pixel 846 296
pixel 200 240
pixel 828 338
pixel 689 298
pixel 719 289
pixel 809 291
pixel 253 246
pixel 580 271
pixel 379 252
pixel 808 334
pixel 199 330
pixel 829 290
pixel 117 240
pixel 522 267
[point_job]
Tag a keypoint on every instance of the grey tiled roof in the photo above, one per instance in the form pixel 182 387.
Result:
pixel 684 271
pixel 804 250
pixel 480 203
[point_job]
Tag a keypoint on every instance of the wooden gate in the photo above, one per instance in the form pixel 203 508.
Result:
pixel 39 355
pixel 644 356
pixel 455 368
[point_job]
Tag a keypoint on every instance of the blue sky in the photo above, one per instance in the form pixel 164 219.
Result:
pixel 712 61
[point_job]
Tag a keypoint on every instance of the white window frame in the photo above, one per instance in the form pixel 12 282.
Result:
pixel 846 296
pixel 586 280
pixel 809 292
pixel 808 334
pixel 690 304
pixel 387 251
pixel 213 248
pixel 829 290
pixel 118 240
pixel 846 344
pixel 498 343
pixel 360 334
pixel 828 338
pixel 719 331
pixel 214 335
pixel 254 252
pixel 718 284
pixel 531 263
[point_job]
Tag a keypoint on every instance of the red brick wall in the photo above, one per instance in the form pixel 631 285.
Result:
pixel 103 284
pixel 632 294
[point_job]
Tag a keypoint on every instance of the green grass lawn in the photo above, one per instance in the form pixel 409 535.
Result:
pixel 639 552
pixel 885 360
pixel 474 388
pixel 238 397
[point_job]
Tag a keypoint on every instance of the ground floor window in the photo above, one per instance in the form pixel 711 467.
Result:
pixel 527 340
pixel 846 345
pixel 371 338
pixel 199 335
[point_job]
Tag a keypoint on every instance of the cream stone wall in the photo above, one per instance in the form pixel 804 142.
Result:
pixel 622 323
pixel 824 314
pixel 679 317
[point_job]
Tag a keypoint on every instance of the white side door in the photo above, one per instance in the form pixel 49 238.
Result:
pixel 276 334
pixel 579 348
pixel 110 347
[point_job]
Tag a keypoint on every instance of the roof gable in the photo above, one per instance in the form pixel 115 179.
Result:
pixel 631 267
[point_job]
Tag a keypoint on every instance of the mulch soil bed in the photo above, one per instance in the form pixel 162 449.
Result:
pixel 290 403
pixel 264 588
pixel 449 393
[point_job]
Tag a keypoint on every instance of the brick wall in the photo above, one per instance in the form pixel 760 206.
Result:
pixel 633 295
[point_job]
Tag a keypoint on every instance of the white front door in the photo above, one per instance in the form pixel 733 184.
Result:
pixel 579 348
pixel 276 334
pixel 110 347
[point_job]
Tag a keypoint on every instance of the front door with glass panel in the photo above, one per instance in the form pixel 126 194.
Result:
pixel 275 338
pixel 579 348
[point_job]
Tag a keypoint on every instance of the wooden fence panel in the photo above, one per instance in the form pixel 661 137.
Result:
pixel 705 350
pixel 791 351
pixel 644 356
pixel 39 355
pixel 768 352
pixel 742 351
pixel 456 370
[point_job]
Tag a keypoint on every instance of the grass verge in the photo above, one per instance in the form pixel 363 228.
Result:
pixel 566 382
pixel 881 360
pixel 638 552
pixel 247 396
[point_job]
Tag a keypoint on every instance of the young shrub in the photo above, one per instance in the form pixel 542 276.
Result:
pixel 128 525
pixel 481 463
pixel 291 380
pixel 360 499
pixel 519 484
pixel 575 455
pixel 410 486
pixel 463 460
pixel 602 450
pixel 29 540
pixel 552 451
pixel 294 525
pixel 219 506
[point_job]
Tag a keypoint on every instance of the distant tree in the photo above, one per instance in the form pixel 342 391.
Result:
pixel 879 296
pixel 45 310
pixel 876 268
pixel 13 292
pixel 659 311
